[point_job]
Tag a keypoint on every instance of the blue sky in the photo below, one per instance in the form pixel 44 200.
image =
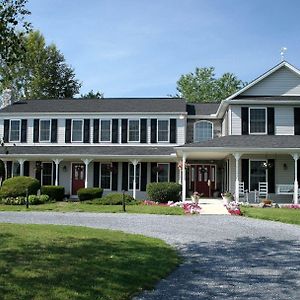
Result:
pixel 139 48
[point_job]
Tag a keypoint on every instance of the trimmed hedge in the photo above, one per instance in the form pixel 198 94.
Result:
pixel 56 193
pixel 163 191
pixel 16 186
pixel 41 199
pixel 14 200
pixel 89 193
pixel 114 199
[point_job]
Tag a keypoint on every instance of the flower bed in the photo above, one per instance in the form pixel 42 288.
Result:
pixel 233 208
pixel 189 208
pixel 293 206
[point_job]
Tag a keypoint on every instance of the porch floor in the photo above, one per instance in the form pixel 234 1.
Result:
pixel 212 206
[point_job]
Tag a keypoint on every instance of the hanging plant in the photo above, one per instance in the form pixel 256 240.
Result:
pixel 203 170
pixel 157 169
pixel 110 168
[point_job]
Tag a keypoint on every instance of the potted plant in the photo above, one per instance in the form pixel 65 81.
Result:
pixel 195 197
pixel 227 197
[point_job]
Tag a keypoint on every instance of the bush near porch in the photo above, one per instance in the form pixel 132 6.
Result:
pixel 163 192
pixel 55 193
pixel 89 193
pixel 114 199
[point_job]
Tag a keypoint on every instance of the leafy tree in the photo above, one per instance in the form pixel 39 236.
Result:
pixel 42 73
pixel 12 28
pixel 92 95
pixel 203 86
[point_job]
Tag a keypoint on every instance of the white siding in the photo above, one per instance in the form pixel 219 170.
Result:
pixel 181 127
pixel 61 131
pixel 282 82
pixel 225 125
pixel 236 120
pixel 1 128
pixel 284 120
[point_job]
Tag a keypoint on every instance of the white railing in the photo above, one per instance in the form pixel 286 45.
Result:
pixel 284 189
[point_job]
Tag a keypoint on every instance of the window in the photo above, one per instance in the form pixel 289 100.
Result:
pixel 137 178
pixel 163 173
pixel 105 131
pixel 77 130
pixel 105 176
pixel 203 131
pixel 47 174
pixel 257 173
pixel 257 120
pixel 15 169
pixel 134 131
pixel 163 130
pixel 14 135
pixel 45 130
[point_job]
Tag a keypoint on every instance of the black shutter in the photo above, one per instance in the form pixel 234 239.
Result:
pixel 9 168
pixel 68 131
pixel 36 130
pixel 125 176
pixel 86 131
pixel 271 126
pixel 96 131
pixel 115 131
pixel 54 131
pixel 271 176
pixel 245 173
pixel 38 169
pixel 143 130
pixel 153 130
pixel 172 172
pixel 173 131
pixel 53 172
pixel 245 120
pixel 96 174
pixel 24 131
pixel 124 130
pixel 114 184
pixel 297 120
pixel 143 176
pixel 6 131
pixel 26 168
pixel 153 177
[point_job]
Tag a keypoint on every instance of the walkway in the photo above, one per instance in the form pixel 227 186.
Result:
pixel 225 257
pixel 212 207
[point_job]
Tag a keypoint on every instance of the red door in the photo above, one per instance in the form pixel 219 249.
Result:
pixel 205 179
pixel 78 177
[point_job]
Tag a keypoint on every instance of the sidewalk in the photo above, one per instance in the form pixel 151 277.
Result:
pixel 212 207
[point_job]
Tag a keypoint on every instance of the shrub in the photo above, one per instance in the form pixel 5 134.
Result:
pixel 14 200
pixel 114 199
pixel 41 199
pixel 56 193
pixel 89 193
pixel 163 191
pixel 17 186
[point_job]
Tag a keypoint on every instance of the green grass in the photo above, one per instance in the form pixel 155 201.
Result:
pixel 84 207
pixel 67 262
pixel 285 215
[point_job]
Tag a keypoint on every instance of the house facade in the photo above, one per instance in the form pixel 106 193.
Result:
pixel 248 141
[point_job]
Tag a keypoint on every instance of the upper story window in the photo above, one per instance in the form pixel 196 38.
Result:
pixel 14 134
pixel 163 130
pixel 77 130
pixel 203 131
pixel 45 130
pixel 134 130
pixel 163 173
pixel 257 120
pixel 105 130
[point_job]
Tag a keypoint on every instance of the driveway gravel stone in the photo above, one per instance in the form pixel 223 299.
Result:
pixel 225 257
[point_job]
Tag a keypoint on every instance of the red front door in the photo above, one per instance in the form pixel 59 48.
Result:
pixel 78 177
pixel 205 179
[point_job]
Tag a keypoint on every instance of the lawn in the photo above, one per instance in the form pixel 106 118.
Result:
pixel 285 215
pixel 67 262
pixel 84 207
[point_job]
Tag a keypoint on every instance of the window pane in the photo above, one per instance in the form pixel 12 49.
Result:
pixel 47 174
pixel 105 131
pixel 257 120
pixel 137 176
pixel 257 174
pixel 203 131
pixel 77 131
pixel 105 176
pixel 134 130
pixel 45 130
pixel 15 131
pixel 163 130
pixel 16 169
pixel 163 172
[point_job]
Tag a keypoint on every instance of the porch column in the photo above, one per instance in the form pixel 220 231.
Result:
pixel 295 197
pixel 180 176
pixel 56 161
pixel 237 157
pixel 183 178
pixel 21 162
pixel 134 163
pixel 86 162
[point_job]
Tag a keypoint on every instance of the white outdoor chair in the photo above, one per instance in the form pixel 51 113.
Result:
pixel 242 189
pixel 263 190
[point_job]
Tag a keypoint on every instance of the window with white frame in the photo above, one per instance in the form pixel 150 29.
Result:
pixel 45 127
pixel 105 177
pixel 134 130
pixel 162 130
pixel 47 173
pixel 163 172
pixel 258 173
pixel 16 169
pixel 203 131
pixel 77 130
pixel 105 130
pixel 14 134
pixel 258 120
pixel 137 177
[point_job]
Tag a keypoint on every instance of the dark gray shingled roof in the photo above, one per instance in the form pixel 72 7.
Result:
pixel 88 150
pixel 202 108
pixel 250 141
pixel 99 105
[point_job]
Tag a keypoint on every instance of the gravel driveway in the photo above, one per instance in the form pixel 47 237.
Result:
pixel 226 257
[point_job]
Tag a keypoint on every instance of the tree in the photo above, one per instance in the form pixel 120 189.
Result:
pixel 202 86
pixel 92 95
pixel 12 20
pixel 42 73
